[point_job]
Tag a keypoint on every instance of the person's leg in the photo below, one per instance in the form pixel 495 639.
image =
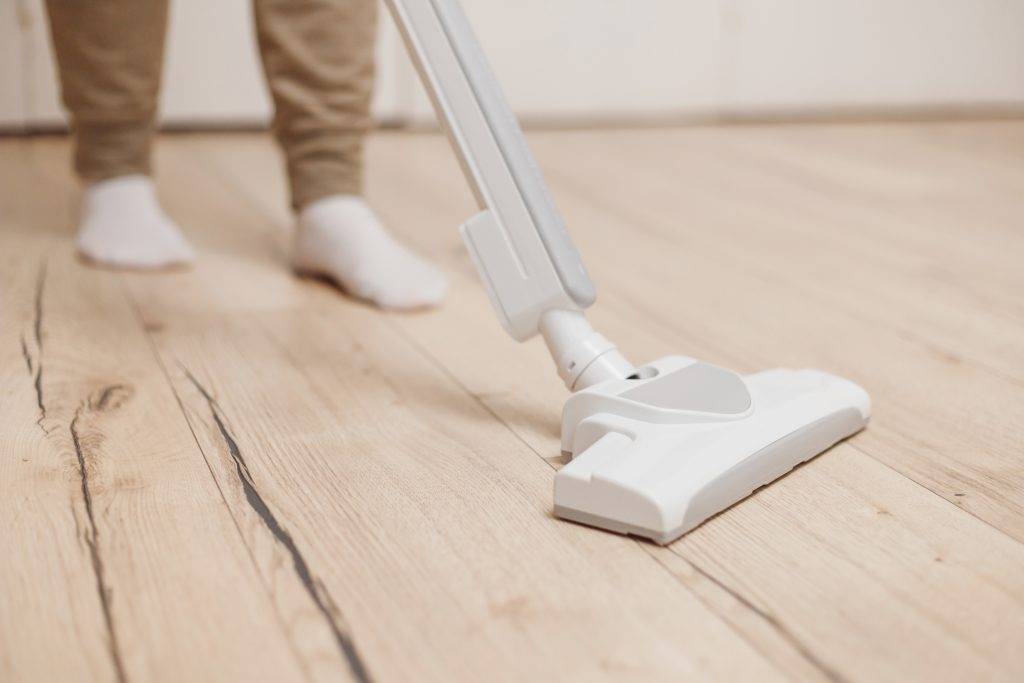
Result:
pixel 318 58
pixel 110 55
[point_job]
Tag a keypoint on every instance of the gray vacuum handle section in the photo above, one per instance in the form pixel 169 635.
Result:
pixel 520 162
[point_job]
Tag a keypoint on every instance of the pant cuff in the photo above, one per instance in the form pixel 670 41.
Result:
pixel 323 165
pixel 109 150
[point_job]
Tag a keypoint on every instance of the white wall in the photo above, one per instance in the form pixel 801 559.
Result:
pixel 604 59
pixel 796 54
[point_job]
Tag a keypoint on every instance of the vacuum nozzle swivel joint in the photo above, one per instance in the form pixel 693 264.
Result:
pixel 583 357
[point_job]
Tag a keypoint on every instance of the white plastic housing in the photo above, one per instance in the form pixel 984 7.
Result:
pixel 655 457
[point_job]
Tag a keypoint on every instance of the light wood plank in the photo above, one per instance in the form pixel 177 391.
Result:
pixel 930 398
pixel 928 248
pixel 116 529
pixel 48 587
pixel 789 322
pixel 387 483
pixel 427 521
pixel 818 612
pixel 620 319
pixel 261 185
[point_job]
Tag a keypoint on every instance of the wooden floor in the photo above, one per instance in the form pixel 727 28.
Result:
pixel 231 474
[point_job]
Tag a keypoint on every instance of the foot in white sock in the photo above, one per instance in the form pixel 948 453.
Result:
pixel 124 226
pixel 340 237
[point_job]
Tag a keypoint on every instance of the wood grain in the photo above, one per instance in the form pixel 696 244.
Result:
pixel 513 390
pixel 120 559
pixel 280 483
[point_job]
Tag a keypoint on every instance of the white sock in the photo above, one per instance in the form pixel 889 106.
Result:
pixel 123 225
pixel 340 237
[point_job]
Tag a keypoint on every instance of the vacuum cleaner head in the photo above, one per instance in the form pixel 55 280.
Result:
pixel 681 440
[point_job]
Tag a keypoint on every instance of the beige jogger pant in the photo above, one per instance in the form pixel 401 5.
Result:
pixel 318 60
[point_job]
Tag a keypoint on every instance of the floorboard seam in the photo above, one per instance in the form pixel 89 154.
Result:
pixel 429 357
pixel 768 276
pixel 933 492
pixel 773 622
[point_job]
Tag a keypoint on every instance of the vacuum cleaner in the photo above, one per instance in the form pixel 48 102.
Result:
pixel 655 449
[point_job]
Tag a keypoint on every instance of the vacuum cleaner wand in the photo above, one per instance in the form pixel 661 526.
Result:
pixel 656 449
pixel 528 263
